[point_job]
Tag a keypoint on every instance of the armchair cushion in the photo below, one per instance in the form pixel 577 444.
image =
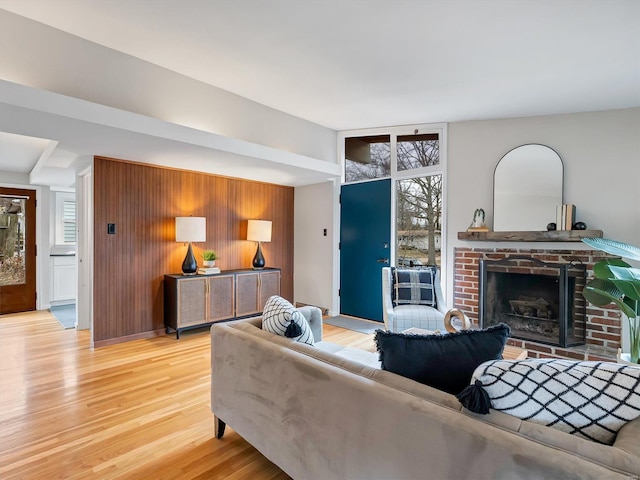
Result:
pixel 413 286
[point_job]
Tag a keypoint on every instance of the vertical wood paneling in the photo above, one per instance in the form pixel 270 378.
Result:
pixel 143 202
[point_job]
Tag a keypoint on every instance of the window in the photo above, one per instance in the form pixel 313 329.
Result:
pixel 65 219
pixel 412 157
pixel 367 157
pixel 418 201
pixel 419 221
pixel 419 150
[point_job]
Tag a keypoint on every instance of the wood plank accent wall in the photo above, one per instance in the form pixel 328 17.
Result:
pixel 143 202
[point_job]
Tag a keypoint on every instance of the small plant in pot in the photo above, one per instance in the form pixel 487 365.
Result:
pixel 209 258
pixel 617 282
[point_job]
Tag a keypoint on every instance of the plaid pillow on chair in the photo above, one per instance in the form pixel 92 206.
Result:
pixel 413 286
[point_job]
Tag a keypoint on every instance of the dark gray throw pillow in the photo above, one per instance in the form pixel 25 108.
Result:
pixel 445 362
pixel 413 286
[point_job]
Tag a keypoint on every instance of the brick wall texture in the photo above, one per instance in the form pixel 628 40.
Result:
pixel 603 325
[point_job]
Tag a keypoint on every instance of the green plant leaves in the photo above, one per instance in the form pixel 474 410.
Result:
pixel 603 292
pixel 209 255
pixel 602 269
pixel 615 280
pixel 627 280
pixel 614 247
pixel 634 305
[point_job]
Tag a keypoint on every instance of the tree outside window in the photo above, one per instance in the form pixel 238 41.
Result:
pixel 418 199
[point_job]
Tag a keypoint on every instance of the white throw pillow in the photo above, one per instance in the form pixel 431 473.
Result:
pixel 589 399
pixel 280 317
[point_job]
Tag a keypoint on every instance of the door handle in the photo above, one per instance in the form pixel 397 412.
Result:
pixel 383 260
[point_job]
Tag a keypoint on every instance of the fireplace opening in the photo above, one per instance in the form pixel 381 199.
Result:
pixel 539 301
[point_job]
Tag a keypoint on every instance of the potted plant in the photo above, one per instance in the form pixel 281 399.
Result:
pixel 617 282
pixel 209 258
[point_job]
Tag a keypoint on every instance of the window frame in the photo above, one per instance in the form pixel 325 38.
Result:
pixel 396 175
pixel 60 221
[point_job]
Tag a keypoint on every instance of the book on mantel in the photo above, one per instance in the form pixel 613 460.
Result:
pixel 208 270
pixel 478 229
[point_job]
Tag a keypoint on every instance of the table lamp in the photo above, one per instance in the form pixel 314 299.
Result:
pixel 259 231
pixel 190 229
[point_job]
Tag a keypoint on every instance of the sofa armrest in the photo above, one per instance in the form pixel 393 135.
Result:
pixel 627 438
pixel 314 317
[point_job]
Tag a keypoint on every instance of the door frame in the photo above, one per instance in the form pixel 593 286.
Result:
pixel 30 247
pixel 42 243
pixel 84 250
pixel 442 130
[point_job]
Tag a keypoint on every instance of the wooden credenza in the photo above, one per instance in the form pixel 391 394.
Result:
pixel 200 300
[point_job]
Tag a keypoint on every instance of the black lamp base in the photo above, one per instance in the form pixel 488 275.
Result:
pixel 190 265
pixel 258 260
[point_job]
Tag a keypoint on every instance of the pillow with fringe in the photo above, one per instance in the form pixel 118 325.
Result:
pixel 590 399
pixel 445 362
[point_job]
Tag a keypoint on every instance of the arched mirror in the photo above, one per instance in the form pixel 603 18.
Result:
pixel 527 187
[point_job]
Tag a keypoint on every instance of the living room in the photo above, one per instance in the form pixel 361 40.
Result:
pixel 594 143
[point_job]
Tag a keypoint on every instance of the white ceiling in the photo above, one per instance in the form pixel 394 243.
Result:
pixel 354 64
pixel 19 153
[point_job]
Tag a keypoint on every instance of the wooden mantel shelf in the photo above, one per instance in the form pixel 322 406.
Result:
pixel 551 236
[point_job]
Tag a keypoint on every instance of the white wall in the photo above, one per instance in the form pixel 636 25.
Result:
pixel 601 156
pixel 314 254
pixel 11 179
pixel 42 57
pixel 39 56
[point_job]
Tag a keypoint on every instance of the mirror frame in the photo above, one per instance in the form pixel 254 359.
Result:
pixel 552 214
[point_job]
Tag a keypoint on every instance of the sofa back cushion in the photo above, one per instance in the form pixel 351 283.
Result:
pixel 589 399
pixel 445 362
pixel 413 286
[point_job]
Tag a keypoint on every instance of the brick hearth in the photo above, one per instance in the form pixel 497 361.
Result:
pixel 604 328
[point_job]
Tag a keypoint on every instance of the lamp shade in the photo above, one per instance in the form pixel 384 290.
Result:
pixel 191 229
pixel 259 230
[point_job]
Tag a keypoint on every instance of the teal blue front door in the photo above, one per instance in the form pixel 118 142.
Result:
pixel 365 247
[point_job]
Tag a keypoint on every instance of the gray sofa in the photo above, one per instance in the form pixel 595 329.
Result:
pixel 323 413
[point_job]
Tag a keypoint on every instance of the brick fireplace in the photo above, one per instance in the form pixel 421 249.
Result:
pixel 603 325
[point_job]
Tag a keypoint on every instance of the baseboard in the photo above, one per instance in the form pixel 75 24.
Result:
pixel 60 303
pixel 128 338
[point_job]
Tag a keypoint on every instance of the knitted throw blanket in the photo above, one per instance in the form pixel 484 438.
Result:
pixel 590 399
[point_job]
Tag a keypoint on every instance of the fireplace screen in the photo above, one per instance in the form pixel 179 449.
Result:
pixel 540 301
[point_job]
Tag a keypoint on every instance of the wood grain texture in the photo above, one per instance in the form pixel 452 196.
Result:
pixel 143 202
pixel 135 410
pixel 22 297
pixel 550 236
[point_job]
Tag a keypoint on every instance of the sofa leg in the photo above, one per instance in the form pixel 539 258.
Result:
pixel 218 427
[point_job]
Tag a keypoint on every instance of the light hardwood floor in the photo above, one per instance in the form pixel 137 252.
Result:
pixel 138 410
